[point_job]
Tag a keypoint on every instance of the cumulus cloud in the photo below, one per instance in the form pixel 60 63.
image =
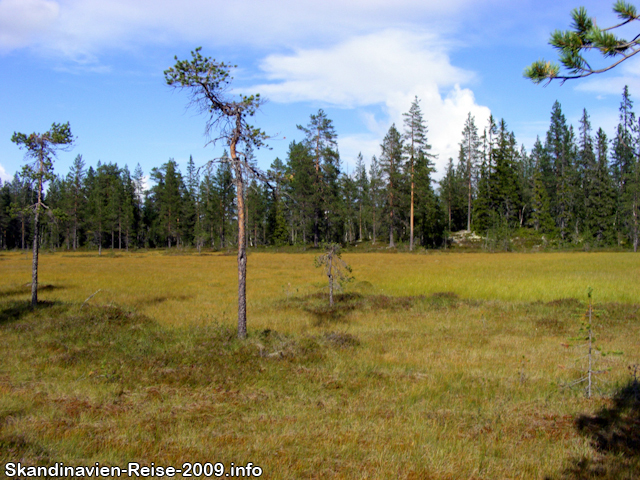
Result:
pixel 4 176
pixel 388 68
pixel 362 70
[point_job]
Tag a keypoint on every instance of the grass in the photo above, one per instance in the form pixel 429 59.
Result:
pixel 439 366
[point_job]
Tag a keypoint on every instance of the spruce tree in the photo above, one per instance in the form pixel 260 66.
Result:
pixel 602 196
pixel 541 218
pixel 625 170
pixel 559 146
pixel 585 170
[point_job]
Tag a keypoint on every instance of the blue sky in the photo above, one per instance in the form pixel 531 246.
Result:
pixel 99 64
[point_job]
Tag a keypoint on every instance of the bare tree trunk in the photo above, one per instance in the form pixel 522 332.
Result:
pixel 34 268
pixel 36 240
pixel 242 245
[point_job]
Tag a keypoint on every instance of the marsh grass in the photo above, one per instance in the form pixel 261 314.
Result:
pixel 407 376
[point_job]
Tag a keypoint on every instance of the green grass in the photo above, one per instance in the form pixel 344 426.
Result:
pixel 429 366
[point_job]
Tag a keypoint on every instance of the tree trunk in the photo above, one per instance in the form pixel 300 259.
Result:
pixel 411 214
pixel 469 203
pixel 374 226
pixel 391 243
pixel 34 268
pixel 315 229
pixel 330 275
pixel 360 223
pixel 36 240
pixel 242 245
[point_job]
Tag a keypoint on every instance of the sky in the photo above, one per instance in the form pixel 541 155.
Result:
pixel 98 64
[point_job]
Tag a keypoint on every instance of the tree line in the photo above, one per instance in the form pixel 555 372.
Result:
pixel 574 187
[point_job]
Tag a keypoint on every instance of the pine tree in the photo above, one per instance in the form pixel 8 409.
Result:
pixel 41 149
pixel 169 194
pixel 348 208
pixel 391 163
pixel 376 196
pixel 415 145
pixel 448 193
pixel 210 204
pixel 75 178
pixel 257 199
pixel 225 193
pixel 128 205
pixel 321 141
pixel 301 187
pixel 190 206
pixel 362 195
pixel 276 222
pixel 470 156
pixel 207 82
pixel 138 204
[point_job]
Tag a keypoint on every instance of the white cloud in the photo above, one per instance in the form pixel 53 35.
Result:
pixel 80 29
pixel 4 176
pixel 363 70
pixel 388 68
pixel 24 21
pixel 351 145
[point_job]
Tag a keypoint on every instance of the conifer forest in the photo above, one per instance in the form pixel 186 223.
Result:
pixel 576 188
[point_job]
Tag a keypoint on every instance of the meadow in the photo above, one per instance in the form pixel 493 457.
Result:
pixel 430 366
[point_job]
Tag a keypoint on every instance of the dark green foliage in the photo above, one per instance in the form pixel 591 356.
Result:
pixel 585 36
pixel 575 189
pixel 321 143
pixel 392 167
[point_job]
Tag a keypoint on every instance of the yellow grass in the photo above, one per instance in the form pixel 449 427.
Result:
pixel 462 385
pixel 186 289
